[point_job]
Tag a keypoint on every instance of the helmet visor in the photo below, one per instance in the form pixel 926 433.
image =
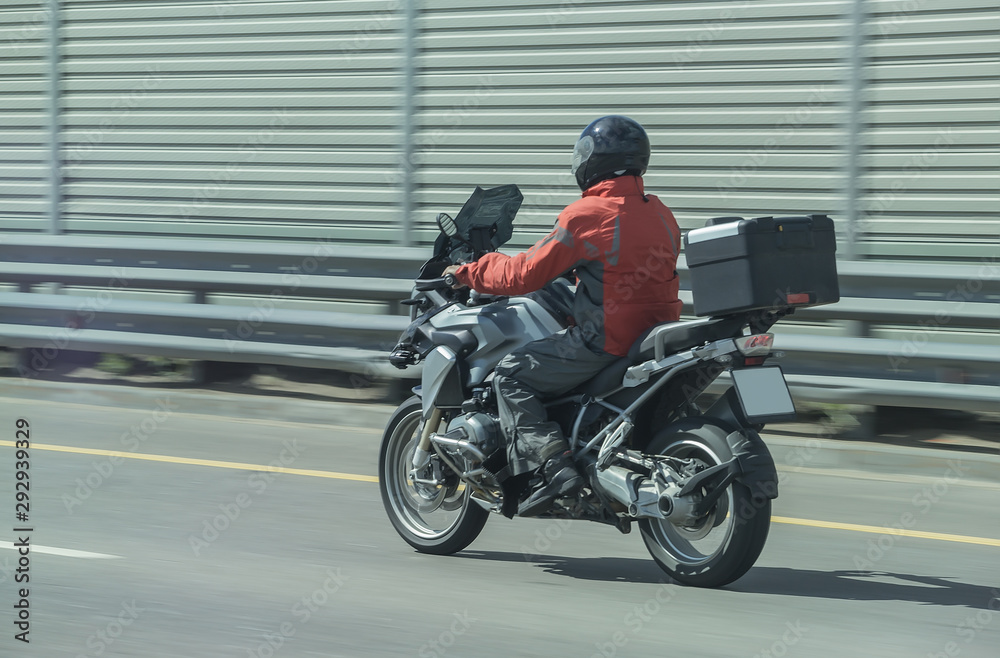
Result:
pixel 581 152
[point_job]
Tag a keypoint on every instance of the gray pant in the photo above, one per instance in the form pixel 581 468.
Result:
pixel 544 369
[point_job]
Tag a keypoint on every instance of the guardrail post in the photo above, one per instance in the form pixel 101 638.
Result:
pixel 854 125
pixel 857 328
pixel 409 119
pixel 22 355
pixel 201 371
pixel 854 128
pixel 54 120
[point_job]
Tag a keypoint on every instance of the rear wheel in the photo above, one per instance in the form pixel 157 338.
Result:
pixel 723 545
pixel 432 519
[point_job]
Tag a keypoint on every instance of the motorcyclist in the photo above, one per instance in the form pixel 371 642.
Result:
pixel 623 246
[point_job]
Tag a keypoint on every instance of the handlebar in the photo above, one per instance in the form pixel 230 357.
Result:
pixel 446 281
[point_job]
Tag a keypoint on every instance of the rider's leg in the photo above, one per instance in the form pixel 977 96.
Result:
pixel 542 370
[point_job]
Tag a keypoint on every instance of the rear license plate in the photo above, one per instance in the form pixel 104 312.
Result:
pixel 763 395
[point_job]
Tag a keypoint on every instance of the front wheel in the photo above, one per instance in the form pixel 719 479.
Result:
pixel 432 519
pixel 722 546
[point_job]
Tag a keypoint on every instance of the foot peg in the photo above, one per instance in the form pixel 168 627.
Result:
pixel 561 479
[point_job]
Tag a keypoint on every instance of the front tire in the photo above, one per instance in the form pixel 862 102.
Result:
pixel 432 520
pixel 729 540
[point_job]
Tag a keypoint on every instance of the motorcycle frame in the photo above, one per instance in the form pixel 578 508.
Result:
pixel 617 431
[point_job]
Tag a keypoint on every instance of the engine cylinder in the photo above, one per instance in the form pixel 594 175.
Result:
pixel 480 429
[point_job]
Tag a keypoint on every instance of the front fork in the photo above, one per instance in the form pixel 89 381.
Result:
pixel 422 455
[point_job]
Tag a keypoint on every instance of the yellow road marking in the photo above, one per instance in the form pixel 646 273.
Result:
pixel 833 525
pixel 874 529
pixel 200 462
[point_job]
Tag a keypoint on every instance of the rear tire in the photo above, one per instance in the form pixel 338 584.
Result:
pixel 730 540
pixel 428 519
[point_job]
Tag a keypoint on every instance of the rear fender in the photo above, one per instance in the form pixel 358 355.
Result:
pixel 758 472
pixel 728 411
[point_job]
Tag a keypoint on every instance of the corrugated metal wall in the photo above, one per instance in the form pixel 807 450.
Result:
pixel 284 118
pixel 231 118
pixel 743 101
pixel 23 116
pixel 933 142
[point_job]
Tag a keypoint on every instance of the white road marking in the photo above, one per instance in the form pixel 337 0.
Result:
pixel 65 552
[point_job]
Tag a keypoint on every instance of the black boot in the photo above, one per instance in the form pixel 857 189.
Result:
pixel 561 478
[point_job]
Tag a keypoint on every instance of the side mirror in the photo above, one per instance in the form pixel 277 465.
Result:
pixel 447 225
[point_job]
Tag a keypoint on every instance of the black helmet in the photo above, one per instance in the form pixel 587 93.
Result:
pixel 607 146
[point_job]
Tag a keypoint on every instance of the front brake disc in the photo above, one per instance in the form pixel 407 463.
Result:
pixel 423 497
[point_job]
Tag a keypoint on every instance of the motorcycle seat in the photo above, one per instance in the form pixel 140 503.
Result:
pixel 685 334
pixel 674 336
pixel 608 379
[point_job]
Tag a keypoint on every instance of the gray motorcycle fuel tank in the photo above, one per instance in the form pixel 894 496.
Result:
pixel 499 328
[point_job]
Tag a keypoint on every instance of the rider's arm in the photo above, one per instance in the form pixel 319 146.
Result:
pixel 553 255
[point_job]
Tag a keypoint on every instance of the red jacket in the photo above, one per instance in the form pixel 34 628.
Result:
pixel 623 246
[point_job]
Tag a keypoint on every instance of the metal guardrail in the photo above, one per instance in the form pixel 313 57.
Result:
pixel 919 299
pixel 258 332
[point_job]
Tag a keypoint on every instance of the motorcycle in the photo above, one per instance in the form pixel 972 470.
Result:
pixel 699 482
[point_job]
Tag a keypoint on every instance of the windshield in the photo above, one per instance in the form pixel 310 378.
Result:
pixel 487 218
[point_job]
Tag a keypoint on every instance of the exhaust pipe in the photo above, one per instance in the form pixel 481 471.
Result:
pixel 642 496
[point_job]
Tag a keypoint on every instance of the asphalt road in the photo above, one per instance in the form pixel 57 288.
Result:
pixel 156 532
